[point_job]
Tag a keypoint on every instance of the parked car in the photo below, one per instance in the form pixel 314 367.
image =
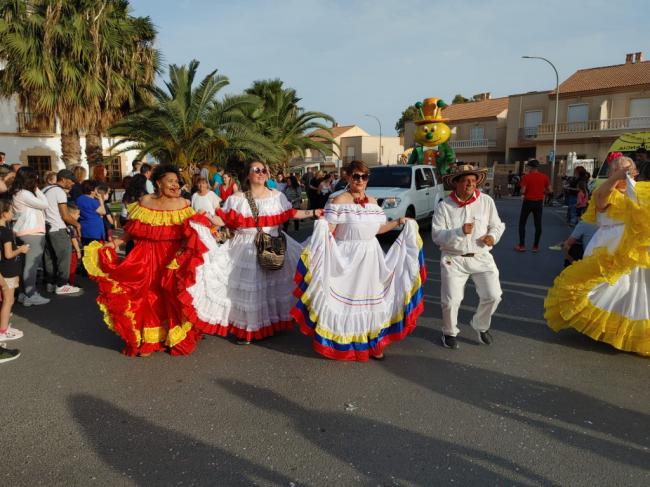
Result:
pixel 410 191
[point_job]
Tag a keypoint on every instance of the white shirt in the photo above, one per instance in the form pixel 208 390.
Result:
pixel 55 195
pixel 449 218
pixel 149 187
pixel 208 202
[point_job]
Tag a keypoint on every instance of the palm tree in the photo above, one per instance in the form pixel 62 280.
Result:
pixel 62 59
pixel 174 128
pixel 283 121
pixel 126 62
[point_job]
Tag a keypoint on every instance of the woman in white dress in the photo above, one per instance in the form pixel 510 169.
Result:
pixel 205 201
pixel 353 299
pixel 606 295
pixel 231 293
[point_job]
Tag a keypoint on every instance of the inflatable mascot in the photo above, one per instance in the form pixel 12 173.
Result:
pixel 431 136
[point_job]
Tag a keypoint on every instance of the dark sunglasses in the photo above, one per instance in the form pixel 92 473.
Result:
pixel 360 177
pixel 258 170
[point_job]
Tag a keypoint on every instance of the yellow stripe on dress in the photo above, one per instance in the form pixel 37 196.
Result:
pixel 158 218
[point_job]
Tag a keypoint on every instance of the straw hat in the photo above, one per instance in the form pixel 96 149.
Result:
pixel 463 170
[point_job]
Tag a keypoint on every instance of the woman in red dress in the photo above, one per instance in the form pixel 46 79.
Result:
pixel 228 187
pixel 134 294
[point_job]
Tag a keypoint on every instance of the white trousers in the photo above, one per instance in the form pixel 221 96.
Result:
pixel 454 272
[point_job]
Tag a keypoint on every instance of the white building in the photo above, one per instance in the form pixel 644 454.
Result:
pixel 36 141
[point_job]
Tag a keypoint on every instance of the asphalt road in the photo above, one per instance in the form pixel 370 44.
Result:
pixel 535 408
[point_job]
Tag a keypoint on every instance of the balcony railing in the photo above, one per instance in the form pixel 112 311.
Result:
pixel 528 132
pixel 473 144
pixel 321 159
pixel 611 124
pixel 30 122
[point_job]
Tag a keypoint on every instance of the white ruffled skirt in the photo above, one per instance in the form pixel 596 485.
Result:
pixel 233 294
pixel 353 299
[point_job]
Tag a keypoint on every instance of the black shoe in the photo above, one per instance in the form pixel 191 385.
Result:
pixel 449 341
pixel 8 354
pixel 484 337
pixel 243 342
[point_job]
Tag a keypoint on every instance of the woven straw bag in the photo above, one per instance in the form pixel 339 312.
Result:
pixel 270 250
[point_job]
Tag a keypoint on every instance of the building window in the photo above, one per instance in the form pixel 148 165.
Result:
pixel 115 170
pixel 42 164
pixel 532 120
pixel 477 133
pixel 577 116
pixel 640 113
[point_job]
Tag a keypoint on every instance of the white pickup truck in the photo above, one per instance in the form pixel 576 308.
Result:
pixel 410 191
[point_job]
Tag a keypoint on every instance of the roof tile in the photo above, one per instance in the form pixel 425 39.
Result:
pixel 607 77
pixel 475 109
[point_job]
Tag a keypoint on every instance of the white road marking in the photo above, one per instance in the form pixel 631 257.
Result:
pixel 509 283
pixel 431 299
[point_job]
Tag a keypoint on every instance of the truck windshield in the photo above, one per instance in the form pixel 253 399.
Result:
pixel 390 177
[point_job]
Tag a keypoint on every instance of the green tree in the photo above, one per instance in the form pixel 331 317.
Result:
pixel 126 62
pixel 409 114
pixel 282 121
pixel 186 124
pixel 459 99
pixel 61 58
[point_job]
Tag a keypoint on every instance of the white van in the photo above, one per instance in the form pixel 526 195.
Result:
pixel 410 191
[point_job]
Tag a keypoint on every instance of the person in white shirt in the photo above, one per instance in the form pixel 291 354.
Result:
pixel 58 246
pixel 204 200
pixel 466 226
pixel 135 165
pixel 147 170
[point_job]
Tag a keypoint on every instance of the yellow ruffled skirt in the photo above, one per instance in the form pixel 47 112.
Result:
pixel 606 294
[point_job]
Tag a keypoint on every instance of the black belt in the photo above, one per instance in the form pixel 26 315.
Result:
pixel 467 255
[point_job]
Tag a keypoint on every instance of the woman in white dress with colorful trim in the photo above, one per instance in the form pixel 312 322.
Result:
pixel 231 293
pixel 353 299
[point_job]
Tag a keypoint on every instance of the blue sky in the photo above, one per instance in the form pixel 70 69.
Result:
pixel 349 58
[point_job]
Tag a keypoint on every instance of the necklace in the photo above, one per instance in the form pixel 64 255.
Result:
pixel 358 200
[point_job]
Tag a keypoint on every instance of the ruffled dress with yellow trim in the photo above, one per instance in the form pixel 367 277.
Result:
pixel 137 295
pixel 353 300
pixel 606 295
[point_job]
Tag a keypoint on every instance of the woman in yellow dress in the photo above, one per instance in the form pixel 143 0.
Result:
pixel 607 294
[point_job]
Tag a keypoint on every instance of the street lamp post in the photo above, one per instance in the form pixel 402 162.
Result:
pixel 379 122
pixel 557 103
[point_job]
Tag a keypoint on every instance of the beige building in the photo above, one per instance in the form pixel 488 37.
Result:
pixel 351 142
pixel 596 106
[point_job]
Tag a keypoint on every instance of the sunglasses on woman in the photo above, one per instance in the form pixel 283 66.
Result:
pixel 359 177
pixel 258 170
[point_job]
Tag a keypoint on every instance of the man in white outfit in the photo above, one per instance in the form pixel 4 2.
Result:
pixel 466 226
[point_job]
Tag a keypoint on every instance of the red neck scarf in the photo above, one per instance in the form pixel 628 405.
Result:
pixel 464 203
pixel 360 201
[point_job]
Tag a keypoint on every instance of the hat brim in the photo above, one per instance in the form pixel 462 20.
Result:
pixel 428 121
pixel 450 179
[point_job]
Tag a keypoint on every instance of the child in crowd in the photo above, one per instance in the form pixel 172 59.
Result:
pixel 583 198
pixel 50 178
pixel 10 270
pixel 73 211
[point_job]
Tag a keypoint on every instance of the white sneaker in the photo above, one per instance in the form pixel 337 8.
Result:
pixel 35 299
pixel 21 298
pixel 67 289
pixel 10 334
pixel 50 288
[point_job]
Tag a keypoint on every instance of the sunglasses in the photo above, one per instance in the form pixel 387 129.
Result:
pixel 359 177
pixel 258 170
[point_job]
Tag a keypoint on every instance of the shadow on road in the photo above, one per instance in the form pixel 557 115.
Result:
pixel 150 454
pixel 75 318
pixel 568 416
pixel 389 455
